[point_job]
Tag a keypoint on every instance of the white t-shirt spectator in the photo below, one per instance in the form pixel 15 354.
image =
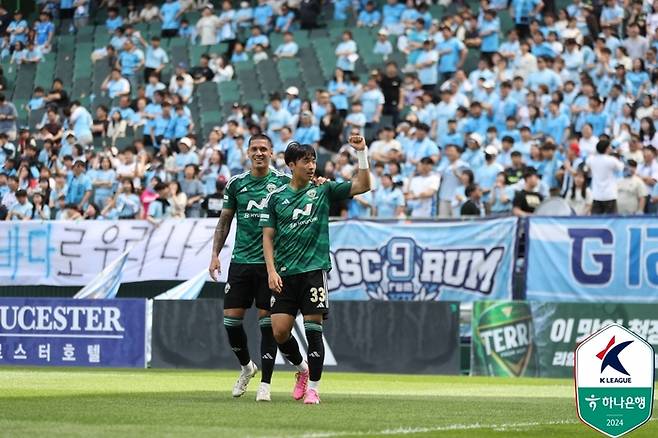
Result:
pixel 630 190
pixel 206 28
pixel 419 184
pixel 604 170
pixel 648 170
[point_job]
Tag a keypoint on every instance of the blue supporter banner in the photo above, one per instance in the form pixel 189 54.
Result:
pixel 592 259
pixel 73 332
pixel 448 261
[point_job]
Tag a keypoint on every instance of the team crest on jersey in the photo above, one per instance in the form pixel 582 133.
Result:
pixel 312 194
pixel 271 187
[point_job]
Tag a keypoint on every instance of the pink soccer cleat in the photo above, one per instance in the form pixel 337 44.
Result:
pixel 300 385
pixel 312 397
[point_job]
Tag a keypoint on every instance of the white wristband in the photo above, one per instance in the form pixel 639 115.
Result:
pixel 362 156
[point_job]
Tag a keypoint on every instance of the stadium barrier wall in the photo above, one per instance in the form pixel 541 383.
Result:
pixel 365 336
pixel 538 339
pixel 72 332
pixel 592 259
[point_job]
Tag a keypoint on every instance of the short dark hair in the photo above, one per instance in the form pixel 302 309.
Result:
pixel 259 137
pixel 161 186
pixel 297 151
pixel 470 189
pixel 602 146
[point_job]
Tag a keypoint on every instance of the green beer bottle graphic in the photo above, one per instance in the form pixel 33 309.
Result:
pixel 503 343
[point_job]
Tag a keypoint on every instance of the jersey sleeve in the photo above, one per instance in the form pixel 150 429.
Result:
pixel 268 216
pixel 230 202
pixel 339 190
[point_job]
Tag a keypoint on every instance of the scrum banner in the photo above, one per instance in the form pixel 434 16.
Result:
pixel 592 259
pixel 451 261
pixel 72 253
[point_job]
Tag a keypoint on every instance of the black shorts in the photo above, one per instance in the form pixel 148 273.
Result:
pixel 246 284
pixel 306 292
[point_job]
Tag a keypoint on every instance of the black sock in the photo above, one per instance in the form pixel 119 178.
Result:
pixel 290 350
pixel 267 349
pixel 237 338
pixel 315 350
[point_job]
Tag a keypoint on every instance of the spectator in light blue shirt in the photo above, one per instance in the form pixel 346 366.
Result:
pixel 389 199
pixel 44 30
pixel 284 21
pixel 79 186
pixel 114 20
pixel 426 66
pixel 130 60
pixel 489 30
pixel 115 85
pixel 372 100
pixel 244 15
pixel 170 13
pixel 392 17
pixel 256 38
pixel 263 14
pixel 502 195
pixel 306 132
pixel 289 48
pixel 18 29
pixel 369 17
pixel 383 46
pixel 160 208
pixel 452 54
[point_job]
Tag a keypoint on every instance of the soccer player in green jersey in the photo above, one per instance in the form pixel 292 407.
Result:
pixel 296 249
pixel 244 199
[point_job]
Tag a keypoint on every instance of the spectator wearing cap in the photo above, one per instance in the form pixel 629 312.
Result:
pixel 388 200
pixel 170 13
pixel 486 174
pixel 450 169
pixel 473 154
pixel 21 210
pixel 79 186
pixel 185 156
pixel 422 189
pixel 528 198
pixel 288 48
pixel 604 169
pixel 632 191
pixel 369 16
pixel 292 103
pixel 383 46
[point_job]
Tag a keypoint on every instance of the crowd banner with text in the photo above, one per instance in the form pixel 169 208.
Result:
pixel 364 336
pixel 592 259
pixel 538 339
pixel 73 332
pixel 451 261
pixel 67 253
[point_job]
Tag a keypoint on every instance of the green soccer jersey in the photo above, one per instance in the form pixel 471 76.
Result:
pixel 301 220
pixel 246 195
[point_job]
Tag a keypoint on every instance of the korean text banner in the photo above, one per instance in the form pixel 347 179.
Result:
pixel 69 332
pixel 538 339
pixel 65 253
pixel 592 259
pixel 453 261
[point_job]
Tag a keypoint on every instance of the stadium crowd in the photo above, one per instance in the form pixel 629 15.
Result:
pixel 562 105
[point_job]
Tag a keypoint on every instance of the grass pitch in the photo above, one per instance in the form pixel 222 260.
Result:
pixel 68 402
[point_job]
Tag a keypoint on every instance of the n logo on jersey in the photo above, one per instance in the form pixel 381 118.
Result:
pixel 257 205
pixel 306 211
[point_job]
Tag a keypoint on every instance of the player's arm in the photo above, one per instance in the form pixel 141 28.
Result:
pixel 273 279
pixel 221 233
pixel 361 181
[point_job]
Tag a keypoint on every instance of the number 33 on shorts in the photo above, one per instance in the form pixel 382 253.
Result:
pixel 319 295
